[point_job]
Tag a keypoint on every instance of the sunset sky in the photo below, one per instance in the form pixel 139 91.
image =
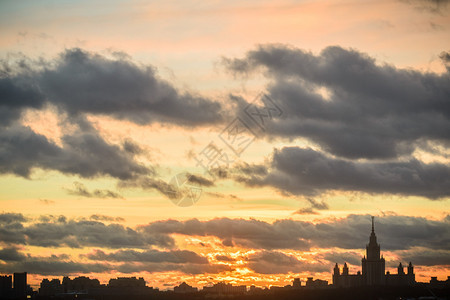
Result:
pixel 342 110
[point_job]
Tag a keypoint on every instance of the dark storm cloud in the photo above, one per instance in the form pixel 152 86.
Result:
pixel 80 189
pixel 374 111
pixel 307 172
pixel 173 256
pixel 352 232
pixel 274 262
pixel 83 82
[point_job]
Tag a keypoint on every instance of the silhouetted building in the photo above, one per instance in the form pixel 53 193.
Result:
pixel 373 270
pixel 296 284
pixel 5 285
pixel 80 284
pixel 318 283
pixel 345 279
pixel 373 266
pixel 51 288
pixel 435 283
pixel 126 282
pixel 20 284
pixel 225 288
pixel 401 278
pixel 184 288
pixel 255 290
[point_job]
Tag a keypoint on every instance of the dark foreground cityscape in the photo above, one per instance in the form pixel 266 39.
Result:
pixel 371 283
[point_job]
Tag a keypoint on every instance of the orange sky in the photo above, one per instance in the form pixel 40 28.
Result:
pixel 185 45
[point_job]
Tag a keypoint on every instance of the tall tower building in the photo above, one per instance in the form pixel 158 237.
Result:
pixel 373 266
pixel 20 284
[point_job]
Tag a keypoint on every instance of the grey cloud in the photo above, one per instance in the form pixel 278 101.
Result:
pixel 106 218
pixel 148 183
pixel 374 111
pixel 47 201
pixel 83 153
pixel 445 56
pixel 224 258
pixel 91 233
pixel 9 218
pixel 131 147
pixel 394 232
pixel 187 268
pixel 426 257
pixel 200 180
pixel 59 232
pixel 350 257
pixel 53 266
pixel 11 228
pixel 247 233
pixel 15 95
pixel 307 172
pixel 63 265
pixel 173 256
pixel 433 6
pixel 79 83
pixel 11 254
pixel 83 82
pixel 81 190
pixel 274 262
pixel 306 211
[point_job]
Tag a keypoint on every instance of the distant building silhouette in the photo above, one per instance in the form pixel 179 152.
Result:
pixel 126 282
pixel 20 284
pixel 79 284
pixel 50 287
pixel 296 284
pixel 225 288
pixel 82 285
pixel 373 270
pixel 434 282
pixel 256 290
pixel 318 283
pixel 5 285
pixel 184 288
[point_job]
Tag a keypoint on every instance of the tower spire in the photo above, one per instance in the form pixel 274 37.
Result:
pixel 373 230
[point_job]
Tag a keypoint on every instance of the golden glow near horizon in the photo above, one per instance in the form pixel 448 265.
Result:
pixel 185 44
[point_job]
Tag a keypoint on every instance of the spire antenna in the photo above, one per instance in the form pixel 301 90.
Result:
pixel 373 230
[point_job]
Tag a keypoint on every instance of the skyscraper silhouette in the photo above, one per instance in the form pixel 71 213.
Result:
pixel 373 269
pixel 373 266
